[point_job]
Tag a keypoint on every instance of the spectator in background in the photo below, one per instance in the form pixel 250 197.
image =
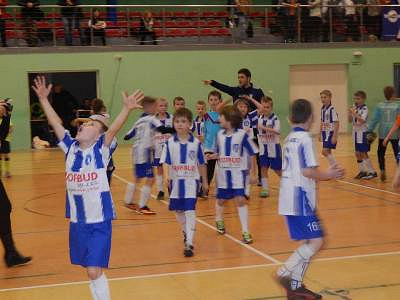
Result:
pixel 315 20
pixel 65 106
pixel 350 20
pixel 30 13
pixel 242 14
pixel 146 28
pixel 288 14
pixel 96 27
pixel 374 19
pixel 3 23
pixel 71 16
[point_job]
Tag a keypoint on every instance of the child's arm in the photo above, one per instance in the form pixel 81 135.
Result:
pixel 335 132
pixel 396 179
pixel 219 86
pixel 43 92
pixel 130 102
pixel 255 102
pixel 334 172
pixel 204 180
pixel 391 131
pixel 222 104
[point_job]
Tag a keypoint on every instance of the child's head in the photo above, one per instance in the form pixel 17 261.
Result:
pixel 389 92
pixel 183 118
pixel 267 105
pixel 214 98
pixel 230 117
pixel 162 105
pixel 98 106
pixel 244 77
pixel 301 113
pixel 179 102
pixel 243 106
pixel 201 107
pixel 96 13
pixel 90 131
pixel 359 98
pixel 149 105
pixel 326 97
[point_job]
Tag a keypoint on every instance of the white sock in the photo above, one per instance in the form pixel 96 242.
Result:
pixel 368 165
pixel 181 218
pixel 100 288
pixel 92 290
pixel 219 212
pixel 264 183
pixel 331 159
pixel 130 190
pixel 145 195
pixel 243 216
pixel 360 165
pixel 190 226
pixel 159 183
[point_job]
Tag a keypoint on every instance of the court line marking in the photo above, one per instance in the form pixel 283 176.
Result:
pixel 258 252
pixel 368 187
pixel 198 271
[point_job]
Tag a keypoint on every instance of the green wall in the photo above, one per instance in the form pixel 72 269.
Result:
pixel 172 73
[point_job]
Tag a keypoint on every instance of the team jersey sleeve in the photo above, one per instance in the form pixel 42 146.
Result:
pixel 66 142
pixel 166 154
pixel 253 116
pixel 249 145
pixel 130 134
pixel 306 154
pixel 277 125
pixel 334 115
pixel 200 155
pixel 364 113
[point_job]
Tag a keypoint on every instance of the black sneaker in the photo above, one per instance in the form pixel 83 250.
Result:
pixel 188 251
pixel 160 195
pixel 370 175
pixel 145 210
pixel 15 259
pixel 360 175
pixel 302 293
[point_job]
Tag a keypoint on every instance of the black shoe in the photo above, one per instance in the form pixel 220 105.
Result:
pixel 160 195
pixel 14 259
pixel 302 293
pixel 370 175
pixel 188 251
pixel 360 175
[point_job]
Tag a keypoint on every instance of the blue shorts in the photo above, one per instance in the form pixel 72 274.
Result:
pixel 363 146
pixel 304 227
pixel 227 194
pixel 182 204
pixel 327 143
pixel 90 244
pixel 156 162
pixel 143 170
pixel 273 163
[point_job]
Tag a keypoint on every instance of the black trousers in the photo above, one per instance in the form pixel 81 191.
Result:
pixel 5 211
pixel 210 169
pixel 382 151
pixel 3 32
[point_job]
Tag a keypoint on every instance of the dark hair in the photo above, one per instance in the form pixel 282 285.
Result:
pixel 245 72
pixel 389 92
pixel 361 94
pixel 178 98
pixel 267 99
pixel 183 113
pixel 232 115
pixel 215 94
pixel 300 111
pixel 98 106
pixel 201 102
pixel 147 100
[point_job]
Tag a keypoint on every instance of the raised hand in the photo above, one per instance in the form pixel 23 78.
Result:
pixel 206 82
pixel 40 87
pixel 132 101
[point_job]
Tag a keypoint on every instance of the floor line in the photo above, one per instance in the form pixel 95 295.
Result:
pixel 368 187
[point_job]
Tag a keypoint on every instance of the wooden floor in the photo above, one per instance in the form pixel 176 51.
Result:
pixel 360 259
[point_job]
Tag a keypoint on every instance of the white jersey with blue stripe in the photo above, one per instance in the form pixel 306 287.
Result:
pixel 267 139
pixel 142 133
pixel 249 122
pixel 297 193
pixel 183 160
pixel 159 138
pixel 88 192
pixel 234 151
pixel 360 128
pixel 198 126
pixel 329 117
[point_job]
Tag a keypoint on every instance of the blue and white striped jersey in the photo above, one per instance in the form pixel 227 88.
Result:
pixel 267 141
pixel 142 133
pixel 234 152
pixel 249 122
pixel 329 116
pixel 198 126
pixel 160 138
pixel 297 194
pixel 183 160
pixel 88 192
pixel 360 128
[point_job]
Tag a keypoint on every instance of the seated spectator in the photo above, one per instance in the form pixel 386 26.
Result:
pixel 146 28
pixel 3 23
pixel 71 17
pixel 30 13
pixel 96 28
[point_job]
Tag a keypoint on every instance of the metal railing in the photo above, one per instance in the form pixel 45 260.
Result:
pixel 204 24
